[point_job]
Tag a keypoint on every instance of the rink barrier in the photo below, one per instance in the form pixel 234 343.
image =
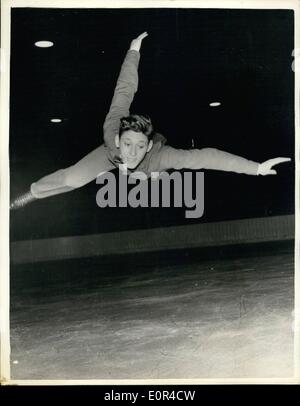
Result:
pixel 245 231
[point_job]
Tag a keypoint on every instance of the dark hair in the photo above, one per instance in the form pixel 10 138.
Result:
pixel 138 123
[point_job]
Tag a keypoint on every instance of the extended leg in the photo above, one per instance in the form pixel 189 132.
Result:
pixel 68 179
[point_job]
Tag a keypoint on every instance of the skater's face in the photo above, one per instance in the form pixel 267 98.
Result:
pixel 133 147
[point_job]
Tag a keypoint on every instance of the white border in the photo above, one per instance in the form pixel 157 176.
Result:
pixel 4 194
pixel 6 5
pixel 219 381
pixel 256 4
pixel 297 197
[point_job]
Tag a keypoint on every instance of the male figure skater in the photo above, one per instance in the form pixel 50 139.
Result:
pixel 130 140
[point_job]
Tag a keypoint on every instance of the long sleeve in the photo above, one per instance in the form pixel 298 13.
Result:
pixel 126 87
pixel 206 158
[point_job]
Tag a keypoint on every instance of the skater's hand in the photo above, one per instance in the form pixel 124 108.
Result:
pixel 137 42
pixel 265 168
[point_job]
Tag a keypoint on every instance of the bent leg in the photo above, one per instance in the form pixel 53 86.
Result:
pixel 73 177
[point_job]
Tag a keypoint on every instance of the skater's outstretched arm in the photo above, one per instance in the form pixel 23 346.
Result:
pixel 87 169
pixel 212 158
pixel 126 87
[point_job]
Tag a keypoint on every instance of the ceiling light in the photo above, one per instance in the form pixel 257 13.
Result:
pixel 56 120
pixel 215 104
pixel 44 44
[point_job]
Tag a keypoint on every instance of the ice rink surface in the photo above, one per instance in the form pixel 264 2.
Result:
pixel 178 316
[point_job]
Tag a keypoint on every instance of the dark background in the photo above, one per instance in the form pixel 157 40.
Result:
pixel 192 57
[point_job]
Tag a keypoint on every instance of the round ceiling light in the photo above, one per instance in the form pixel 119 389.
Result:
pixel 44 44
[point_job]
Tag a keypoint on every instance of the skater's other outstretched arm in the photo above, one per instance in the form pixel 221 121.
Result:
pixel 126 87
pixel 212 158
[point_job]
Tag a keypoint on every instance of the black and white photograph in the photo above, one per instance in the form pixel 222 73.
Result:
pixel 149 193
